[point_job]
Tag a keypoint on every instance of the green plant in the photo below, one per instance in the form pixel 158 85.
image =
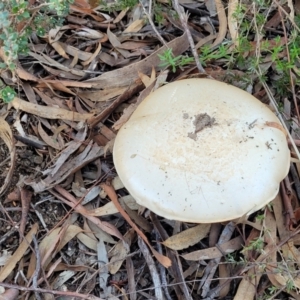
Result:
pixel 18 21
pixel 60 6
pixel 269 293
pixel 253 49
pixel 256 244
pixel 260 217
pixel 118 5
pixel 158 14
pixel 169 60
pixel 7 94
pixel 290 285
pixel 207 54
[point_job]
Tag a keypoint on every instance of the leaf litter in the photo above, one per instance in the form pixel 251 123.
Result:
pixel 68 226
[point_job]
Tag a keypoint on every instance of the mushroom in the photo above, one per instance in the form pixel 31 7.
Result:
pixel 202 151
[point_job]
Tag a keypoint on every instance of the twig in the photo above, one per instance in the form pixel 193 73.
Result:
pixel 213 264
pixel 148 15
pixel 37 267
pixel 174 270
pixel 162 270
pixel 53 292
pixel 183 20
pixel 25 201
pixel 131 282
pixel 152 268
pixel 186 291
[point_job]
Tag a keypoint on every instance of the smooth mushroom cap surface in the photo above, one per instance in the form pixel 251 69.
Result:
pixel 203 151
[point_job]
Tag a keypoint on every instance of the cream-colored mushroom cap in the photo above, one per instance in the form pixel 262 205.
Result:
pixel 199 150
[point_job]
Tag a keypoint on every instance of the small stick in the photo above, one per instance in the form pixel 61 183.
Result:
pixel 152 268
pixel 37 267
pixel 148 15
pixel 213 264
pixel 183 20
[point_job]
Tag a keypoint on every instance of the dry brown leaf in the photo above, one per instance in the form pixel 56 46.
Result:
pixel 75 52
pixel 49 101
pixel 100 234
pixel 138 219
pixel 135 26
pixel 214 252
pixel 132 107
pixel 165 261
pixel 23 74
pixel 92 34
pixel 87 241
pixel 64 83
pixel 102 259
pixel 110 209
pixel 128 111
pixel 116 43
pixel 72 202
pixel 53 38
pixel 49 140
pixel 86 10
pixel 292 12
pixel 49 112
pixel 129 74
pixel 121 15
pixel 91 152
pixel 60 73
pixel 7 137
pixel 54 241
pixel 19 253
pixel 88 61
pixel 135 45
pixel 67 152
pixel 119 252
pixel 9 294
pixel 43 59
pixel 29 92
pixel 26 196
pixel 59 281
pixel 147 81
pixel 102 95
pixel 224 273
pixel 247 287
pixel 187 237
pixel 222 23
